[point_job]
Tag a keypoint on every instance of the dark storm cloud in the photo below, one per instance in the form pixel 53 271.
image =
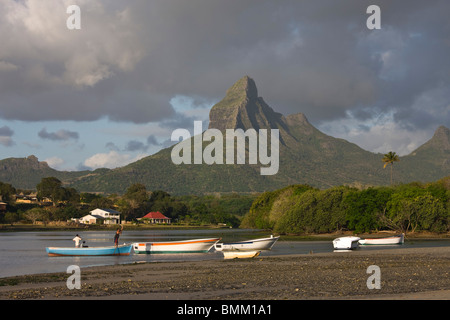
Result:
pixel 152 141
pixel 6 131
pixel 112 146
pixel 60 135
pixel 135 145
pixel 5 136
pixel 315 57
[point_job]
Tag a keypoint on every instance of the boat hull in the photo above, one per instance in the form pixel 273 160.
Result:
pixel 346 243
pixel 122 250
pixel 171 247
pixel 383 241
pixel 235 254
pixel 256 244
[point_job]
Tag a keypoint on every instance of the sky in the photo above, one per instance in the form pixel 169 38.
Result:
pixel 113 91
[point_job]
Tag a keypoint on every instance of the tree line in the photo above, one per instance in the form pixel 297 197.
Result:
pixel 67 203
pixel 301 209
pixel 296 209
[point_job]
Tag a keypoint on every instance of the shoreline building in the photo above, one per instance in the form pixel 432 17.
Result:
pixel 156 218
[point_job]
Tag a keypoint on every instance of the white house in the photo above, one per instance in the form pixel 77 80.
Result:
pixel 88 219
pixel 108 216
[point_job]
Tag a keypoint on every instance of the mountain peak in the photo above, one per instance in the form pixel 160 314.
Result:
pixel 440 142
pixel 243 109
pixel 243 88
pixel 441 138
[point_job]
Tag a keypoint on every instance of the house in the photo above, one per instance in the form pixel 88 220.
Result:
pixel 89 219
pixel 30 198
pixel 105 216
pixel 156 217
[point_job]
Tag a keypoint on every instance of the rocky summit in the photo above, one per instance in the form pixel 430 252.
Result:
pixel 306 156
pixel 243 109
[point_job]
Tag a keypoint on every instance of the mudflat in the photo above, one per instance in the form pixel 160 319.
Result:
pixel 405 273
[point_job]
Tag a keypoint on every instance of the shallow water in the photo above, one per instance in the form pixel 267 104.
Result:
pixel 23 253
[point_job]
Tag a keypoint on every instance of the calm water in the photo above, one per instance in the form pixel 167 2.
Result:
pixel 23 253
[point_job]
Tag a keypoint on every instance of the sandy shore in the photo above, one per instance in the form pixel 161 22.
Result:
pixel 419 273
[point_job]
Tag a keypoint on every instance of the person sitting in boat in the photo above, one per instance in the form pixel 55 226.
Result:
pixel 77 240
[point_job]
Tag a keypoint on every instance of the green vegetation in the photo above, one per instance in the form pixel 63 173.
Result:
pixel 67 203
pixel 296 209
pixel 7 192
pixel 301 209
pixel 52 188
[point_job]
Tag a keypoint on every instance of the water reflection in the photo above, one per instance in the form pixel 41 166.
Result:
pixel 24 252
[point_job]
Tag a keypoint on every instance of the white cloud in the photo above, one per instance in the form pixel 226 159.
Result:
pixel 390 137
pixel 6 141
pixel 110 160
pixel 379 136
pixel 55 162
pixel 37 33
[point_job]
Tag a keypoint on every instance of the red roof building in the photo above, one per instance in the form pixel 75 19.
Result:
pixel 156 217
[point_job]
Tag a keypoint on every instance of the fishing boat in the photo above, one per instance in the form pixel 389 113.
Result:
pixel 168 247
pixel 346 243
pixel 256 244
pixel 238 254
pixel 121 250
pixel 398 239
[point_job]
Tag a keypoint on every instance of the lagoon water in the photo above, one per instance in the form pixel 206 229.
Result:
pixel 23 253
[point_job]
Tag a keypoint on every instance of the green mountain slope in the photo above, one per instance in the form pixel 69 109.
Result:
pixel 429 162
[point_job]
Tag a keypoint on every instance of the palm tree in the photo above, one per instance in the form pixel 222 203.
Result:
pixel 390 158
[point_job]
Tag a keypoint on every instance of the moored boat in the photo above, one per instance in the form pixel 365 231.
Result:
pixel 398 239
pixel 169 247
pixel 256 244
pixel 121 250
pixel 237 254
pixel 346 243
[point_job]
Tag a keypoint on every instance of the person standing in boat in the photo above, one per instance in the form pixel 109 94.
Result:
pixel 77 240
pixel 117 236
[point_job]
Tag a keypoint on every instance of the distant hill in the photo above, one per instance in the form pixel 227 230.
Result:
pixel 26 173
pixel 307 156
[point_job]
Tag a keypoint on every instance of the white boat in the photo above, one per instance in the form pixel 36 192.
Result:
pixel 183 246
pixel 346 243
pixel 238 254
pixel 398 239
pixel 256 244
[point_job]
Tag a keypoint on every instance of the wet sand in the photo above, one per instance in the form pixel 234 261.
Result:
pixel 411 273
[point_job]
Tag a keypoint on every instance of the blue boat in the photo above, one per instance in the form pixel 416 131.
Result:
pixel 121 250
